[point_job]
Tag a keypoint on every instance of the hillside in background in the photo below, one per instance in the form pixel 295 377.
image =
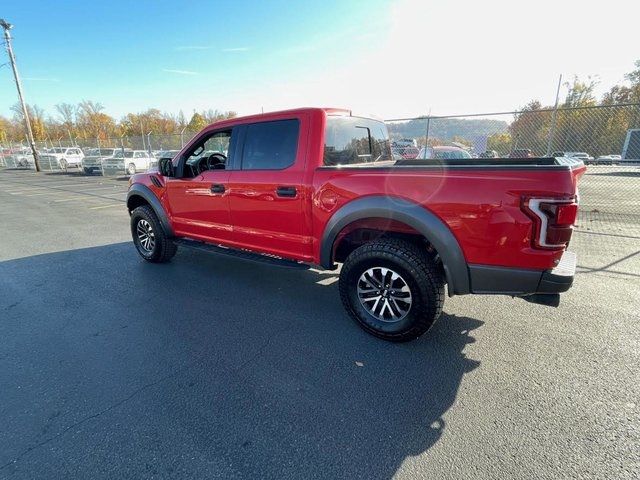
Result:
pixel 447 128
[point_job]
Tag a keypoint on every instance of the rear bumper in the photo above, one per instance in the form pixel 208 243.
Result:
pixel 520 282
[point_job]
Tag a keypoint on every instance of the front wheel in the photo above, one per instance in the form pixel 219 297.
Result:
pixel 392 289
pixel 131 169
pixel 150 239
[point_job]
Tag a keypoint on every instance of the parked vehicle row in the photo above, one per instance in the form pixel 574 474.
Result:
pixel 118 161
pixel 451 152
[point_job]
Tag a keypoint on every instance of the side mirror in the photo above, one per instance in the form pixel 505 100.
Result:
pixel 165 167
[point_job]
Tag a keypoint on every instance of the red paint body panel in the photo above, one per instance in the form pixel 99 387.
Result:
pixel 480 205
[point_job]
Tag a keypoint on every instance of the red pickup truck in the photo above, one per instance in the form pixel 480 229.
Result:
pixel 321 187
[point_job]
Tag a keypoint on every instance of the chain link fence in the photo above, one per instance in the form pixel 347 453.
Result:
pixel 606 138
pixel 93 153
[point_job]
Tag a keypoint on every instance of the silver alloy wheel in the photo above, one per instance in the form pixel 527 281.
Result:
pixel 131 169
pixel 146 237
pixel 384 294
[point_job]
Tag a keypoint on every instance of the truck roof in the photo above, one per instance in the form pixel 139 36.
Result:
pixel 281 113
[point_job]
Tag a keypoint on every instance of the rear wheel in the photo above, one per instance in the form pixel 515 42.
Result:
pixel 150 239
pixel 88 171
pixel 131 169
pixel 392 288
pixel 64 165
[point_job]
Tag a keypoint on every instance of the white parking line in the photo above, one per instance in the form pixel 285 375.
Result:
pixel 70 199
pixel 49 185
pixel 28 192
pixel 107 206
pixel 20 190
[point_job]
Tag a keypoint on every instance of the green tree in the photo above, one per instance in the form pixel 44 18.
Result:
pixel 196 123
pixel 500 142
pixel 530 128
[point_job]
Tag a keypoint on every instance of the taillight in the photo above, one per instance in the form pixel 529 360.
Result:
pixel 553 220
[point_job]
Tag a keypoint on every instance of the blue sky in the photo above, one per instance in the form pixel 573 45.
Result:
pixel 390 58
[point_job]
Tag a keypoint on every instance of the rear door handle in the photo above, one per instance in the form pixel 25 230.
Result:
pixel 217 188
pixel 286 191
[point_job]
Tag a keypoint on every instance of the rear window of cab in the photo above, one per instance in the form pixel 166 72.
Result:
pixel 355 141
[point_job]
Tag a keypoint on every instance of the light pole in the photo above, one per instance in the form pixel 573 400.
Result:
pixel 7 36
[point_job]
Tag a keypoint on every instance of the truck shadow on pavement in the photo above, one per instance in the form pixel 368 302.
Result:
pixel 208 366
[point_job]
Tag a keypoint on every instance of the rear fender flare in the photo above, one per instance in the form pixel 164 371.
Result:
pixel 412 214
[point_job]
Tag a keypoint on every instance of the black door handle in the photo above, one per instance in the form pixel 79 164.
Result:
pixel 217 188
pixel 286 191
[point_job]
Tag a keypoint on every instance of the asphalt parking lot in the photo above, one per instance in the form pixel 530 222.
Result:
pixel 215 367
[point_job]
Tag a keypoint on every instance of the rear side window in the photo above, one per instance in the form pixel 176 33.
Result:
pixel 355 141
pixel 270 145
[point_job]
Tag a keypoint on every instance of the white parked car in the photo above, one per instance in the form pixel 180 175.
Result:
pixel 129 162
pixel 94 158
pixel 20 158
pixel 607 159
pixel 585 157
pixel 62 157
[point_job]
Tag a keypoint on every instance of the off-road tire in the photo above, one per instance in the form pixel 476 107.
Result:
pixel 164 248
pixel 418 270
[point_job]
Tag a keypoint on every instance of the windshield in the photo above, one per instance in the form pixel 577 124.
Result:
pixel 127 154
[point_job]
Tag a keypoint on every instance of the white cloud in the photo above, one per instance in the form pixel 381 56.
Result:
pixel 179 72
pixel 41 79
pixel 184 48
pixel 192 47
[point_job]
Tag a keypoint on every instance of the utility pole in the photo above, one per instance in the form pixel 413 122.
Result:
pixel 7 36
pixel 426 136
pixel 554 117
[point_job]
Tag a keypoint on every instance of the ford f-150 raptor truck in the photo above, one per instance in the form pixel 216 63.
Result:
pixel 321 187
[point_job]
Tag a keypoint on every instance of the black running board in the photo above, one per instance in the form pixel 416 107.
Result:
pixel 241 254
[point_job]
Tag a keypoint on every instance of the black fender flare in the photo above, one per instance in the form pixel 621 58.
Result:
pixel 412 214
pixel 139 190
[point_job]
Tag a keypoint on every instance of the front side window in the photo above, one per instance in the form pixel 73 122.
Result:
pixel 217 143
pixel 210 153
pixel 270 145
pixel 355 141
